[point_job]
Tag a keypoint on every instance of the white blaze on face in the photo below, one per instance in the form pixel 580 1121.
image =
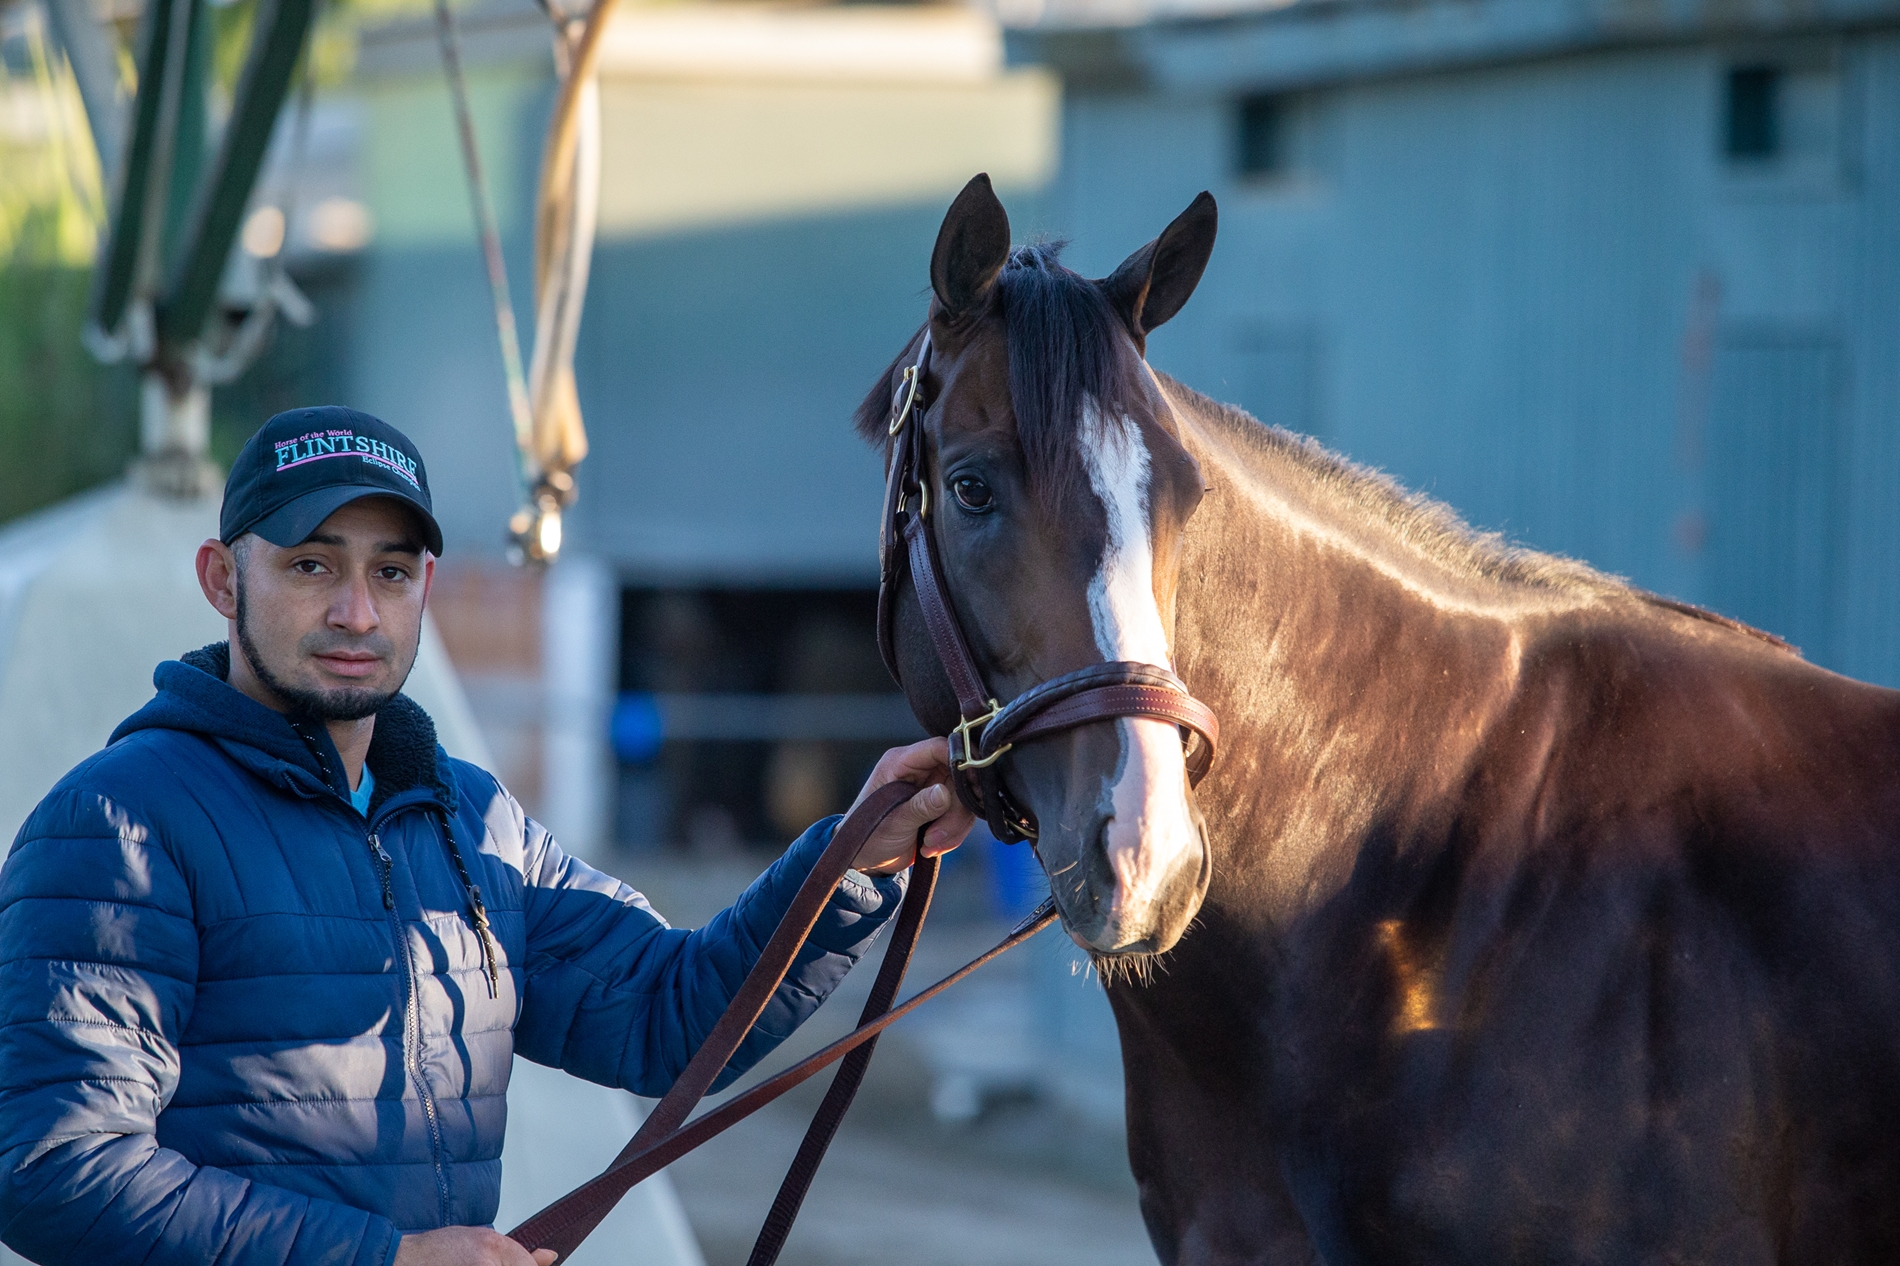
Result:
pixel 1151 834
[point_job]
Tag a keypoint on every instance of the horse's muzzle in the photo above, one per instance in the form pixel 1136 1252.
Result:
pixel 1138 893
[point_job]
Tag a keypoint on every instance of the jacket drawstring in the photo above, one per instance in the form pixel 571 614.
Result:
pixel 477 912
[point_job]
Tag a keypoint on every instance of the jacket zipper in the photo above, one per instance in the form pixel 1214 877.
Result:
pixel 384 864
pixel 412 1026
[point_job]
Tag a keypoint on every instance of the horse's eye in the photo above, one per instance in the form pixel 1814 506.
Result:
pixel 972 494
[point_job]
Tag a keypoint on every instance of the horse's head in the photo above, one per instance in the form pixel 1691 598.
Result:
pixel 1058 494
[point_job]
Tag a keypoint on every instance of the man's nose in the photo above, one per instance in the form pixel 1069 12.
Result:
pixel 354 610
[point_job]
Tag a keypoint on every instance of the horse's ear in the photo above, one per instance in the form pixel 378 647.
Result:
pixel 1153 283
pixel 972 247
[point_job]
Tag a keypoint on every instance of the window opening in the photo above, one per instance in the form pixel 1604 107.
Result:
pixel 1261 136
pixel 1753 128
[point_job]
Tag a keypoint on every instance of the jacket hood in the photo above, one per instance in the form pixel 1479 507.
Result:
pixel 194 695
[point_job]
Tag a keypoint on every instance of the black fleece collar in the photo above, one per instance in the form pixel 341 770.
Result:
pixel 194 695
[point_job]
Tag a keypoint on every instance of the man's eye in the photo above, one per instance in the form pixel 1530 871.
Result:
pixel 308 566
pixel 393 574
pixel 972 494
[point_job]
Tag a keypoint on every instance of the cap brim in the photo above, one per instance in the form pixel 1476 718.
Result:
pixel 292 523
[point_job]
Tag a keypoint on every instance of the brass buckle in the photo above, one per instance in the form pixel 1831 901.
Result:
pixel 966 731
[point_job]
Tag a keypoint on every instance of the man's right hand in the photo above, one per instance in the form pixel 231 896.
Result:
pixel 893 846
pixel 467 1246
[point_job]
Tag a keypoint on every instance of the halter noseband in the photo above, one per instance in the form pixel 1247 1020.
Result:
pixel 986 730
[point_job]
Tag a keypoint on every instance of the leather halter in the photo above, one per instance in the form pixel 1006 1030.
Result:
pixel 986 730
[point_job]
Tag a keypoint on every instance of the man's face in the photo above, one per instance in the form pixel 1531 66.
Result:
pixel 331 626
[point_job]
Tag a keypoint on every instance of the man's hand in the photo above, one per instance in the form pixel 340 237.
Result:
pixel 893 846
pixel 467 1246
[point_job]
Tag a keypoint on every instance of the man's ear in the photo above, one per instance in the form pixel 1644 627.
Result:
pixel 1154 282
pixel 972 247
pixel 218 578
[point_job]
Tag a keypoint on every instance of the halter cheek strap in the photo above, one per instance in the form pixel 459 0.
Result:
pixel 901 484
pixel 986 730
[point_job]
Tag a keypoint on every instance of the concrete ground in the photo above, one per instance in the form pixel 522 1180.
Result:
pixel 891 1198
pixel 1024 1182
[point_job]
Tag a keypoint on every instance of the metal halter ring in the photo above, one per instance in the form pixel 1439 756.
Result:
pixel 915 382
pixel 923 505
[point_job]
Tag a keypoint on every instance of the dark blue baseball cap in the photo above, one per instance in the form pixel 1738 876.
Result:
pixel 304 465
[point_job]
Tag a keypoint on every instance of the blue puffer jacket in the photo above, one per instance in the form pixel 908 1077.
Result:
pixel 241 1025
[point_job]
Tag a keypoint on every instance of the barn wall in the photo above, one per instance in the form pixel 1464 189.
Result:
pixel 1870 607
pixel 1542 293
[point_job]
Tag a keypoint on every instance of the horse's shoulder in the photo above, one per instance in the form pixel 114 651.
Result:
pixel 1667 727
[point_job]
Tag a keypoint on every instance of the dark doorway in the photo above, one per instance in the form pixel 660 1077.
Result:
pixel 1752 116
pixel 746 714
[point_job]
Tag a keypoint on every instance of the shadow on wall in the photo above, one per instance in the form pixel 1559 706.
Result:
pixel 718 372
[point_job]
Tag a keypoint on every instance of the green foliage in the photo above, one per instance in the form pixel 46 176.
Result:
pixel 66 422
pixel 51 205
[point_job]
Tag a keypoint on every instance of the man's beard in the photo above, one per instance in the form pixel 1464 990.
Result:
pixel 317 705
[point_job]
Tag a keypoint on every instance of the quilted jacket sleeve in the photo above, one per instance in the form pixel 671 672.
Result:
pixel 98 963
pixel 618 997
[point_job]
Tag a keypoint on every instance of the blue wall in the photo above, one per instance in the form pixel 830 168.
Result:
pixel 1542 293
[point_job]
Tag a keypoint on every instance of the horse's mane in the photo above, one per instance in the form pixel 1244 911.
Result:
pixel 1430 526
pixel 1424 523
pixel 1067 348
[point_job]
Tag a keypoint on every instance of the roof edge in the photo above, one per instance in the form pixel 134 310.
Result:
pixel 1316 42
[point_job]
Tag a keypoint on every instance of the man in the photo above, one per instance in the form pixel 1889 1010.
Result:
pixel 265 960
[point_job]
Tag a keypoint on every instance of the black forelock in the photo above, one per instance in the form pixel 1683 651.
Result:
pixel 1066 347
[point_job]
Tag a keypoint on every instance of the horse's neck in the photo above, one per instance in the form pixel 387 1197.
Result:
pixel 1356 677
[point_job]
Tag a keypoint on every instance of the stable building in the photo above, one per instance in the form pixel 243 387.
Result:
pixel 1619 280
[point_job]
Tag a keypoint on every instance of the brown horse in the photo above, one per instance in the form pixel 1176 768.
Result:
pixel 1525 916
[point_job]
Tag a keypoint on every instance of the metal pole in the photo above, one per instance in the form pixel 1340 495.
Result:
pixel 117 271
pixel 217 209
pixel 174 408
pixel 156 287
pixel 483 207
